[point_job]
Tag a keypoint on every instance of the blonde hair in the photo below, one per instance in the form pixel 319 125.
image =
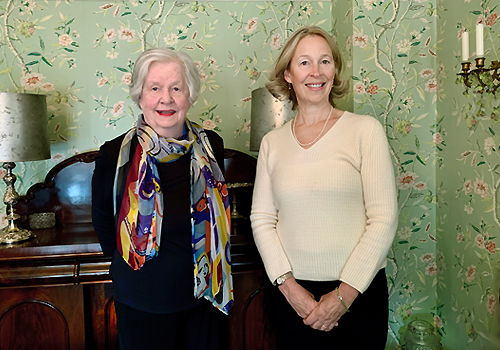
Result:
pixel 280 88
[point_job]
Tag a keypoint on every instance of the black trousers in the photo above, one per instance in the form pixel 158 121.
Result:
pixel 203 327
pixel 364 327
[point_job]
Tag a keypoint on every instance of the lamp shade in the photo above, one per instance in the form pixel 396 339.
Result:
pixel 267 114
pixel 24 131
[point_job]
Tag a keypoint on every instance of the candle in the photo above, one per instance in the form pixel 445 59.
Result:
pixel 479 40
pixel 465 46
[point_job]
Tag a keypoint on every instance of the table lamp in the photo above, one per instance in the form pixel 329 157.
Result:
pixel 267 113
pixel 24 136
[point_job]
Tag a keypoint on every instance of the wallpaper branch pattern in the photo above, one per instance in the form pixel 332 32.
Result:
pixel 403 56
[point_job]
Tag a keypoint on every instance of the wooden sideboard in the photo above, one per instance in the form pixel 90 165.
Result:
pixel 55 290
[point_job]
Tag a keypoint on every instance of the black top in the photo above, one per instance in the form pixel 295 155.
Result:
pixel 164 284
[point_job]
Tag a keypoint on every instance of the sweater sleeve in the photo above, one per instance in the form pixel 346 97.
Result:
pixel 379 194
pixel 264 218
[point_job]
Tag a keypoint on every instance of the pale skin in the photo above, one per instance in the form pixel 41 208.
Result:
pixel 311 73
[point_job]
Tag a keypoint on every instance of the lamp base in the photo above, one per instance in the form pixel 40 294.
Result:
pixel 9 236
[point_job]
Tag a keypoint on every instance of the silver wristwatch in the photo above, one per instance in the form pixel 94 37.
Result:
pixel 281 279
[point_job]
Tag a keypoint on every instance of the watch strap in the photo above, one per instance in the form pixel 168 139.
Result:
pixel 281 279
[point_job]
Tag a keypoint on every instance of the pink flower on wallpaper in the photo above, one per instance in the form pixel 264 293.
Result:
pixel 427 73
pixel 65 40
pixel 47 86
pixel 426 258
pixel 437 321
pixel 431 269
pixel 431 85
pixel 491 303
pixel 32 81
pixel 118 108
pixel 127 78
pixel 360 39
pixel 275 41
pixel 470 274
pixel 481 19
pixel 359 88
pixel 479 241
pixel 110 35
pixel 372 89
pixel 437 138
pixel 203 75
pixel 209 124
pixel 420 186
pixel 492 19
pixel 491 247
pixel 57 157
pixel 102 81
pixel 126 33
pixel 2 172
pixel 481 188
pixel 460 237
pixel 406 180
pixel 251 25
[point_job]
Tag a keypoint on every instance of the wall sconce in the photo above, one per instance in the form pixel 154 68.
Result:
pixel 480 79
pixel 267 113
pixel 24 136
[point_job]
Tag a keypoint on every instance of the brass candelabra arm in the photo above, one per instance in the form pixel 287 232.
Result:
pixel 480 79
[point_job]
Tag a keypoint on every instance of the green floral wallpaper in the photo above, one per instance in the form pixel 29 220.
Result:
pixel 403 56
pixel 81 54
pixel 469 219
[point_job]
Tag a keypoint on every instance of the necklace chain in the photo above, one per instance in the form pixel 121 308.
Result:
pixel 317 137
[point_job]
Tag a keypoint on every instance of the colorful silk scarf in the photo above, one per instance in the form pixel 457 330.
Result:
pixel 139 219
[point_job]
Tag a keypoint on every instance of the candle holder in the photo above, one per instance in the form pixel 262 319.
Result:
pixel 480 80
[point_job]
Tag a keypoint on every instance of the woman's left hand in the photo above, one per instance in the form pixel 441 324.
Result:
pixel 329 309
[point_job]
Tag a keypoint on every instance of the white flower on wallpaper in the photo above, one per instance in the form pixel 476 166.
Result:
pixel 404 46
pixel 489 145
pixel 468 209
pixel 426 73
pixel 276 41
pixel 171 39
pixel 125 33
pixel 118 109
pixel 111 54
pixel 406 180
pixel 360 39
pixel 481 188
pixel 431 85
pixel 251 25
pixel 110 35
pixel 32 81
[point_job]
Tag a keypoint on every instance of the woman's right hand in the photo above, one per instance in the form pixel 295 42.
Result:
pixel 301 300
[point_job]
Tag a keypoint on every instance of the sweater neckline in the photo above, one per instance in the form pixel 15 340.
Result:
pixel 321 138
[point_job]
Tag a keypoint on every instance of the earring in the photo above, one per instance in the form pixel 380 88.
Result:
pixel 289 86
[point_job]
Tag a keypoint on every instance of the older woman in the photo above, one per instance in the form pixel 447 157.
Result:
pixel 324 210
pixel 160 209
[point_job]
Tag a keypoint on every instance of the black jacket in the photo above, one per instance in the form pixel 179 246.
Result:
pixel 164 284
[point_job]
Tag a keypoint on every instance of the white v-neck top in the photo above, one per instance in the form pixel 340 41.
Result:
pixel 328 212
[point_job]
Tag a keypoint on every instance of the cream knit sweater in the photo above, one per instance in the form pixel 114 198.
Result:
pixel 328 212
